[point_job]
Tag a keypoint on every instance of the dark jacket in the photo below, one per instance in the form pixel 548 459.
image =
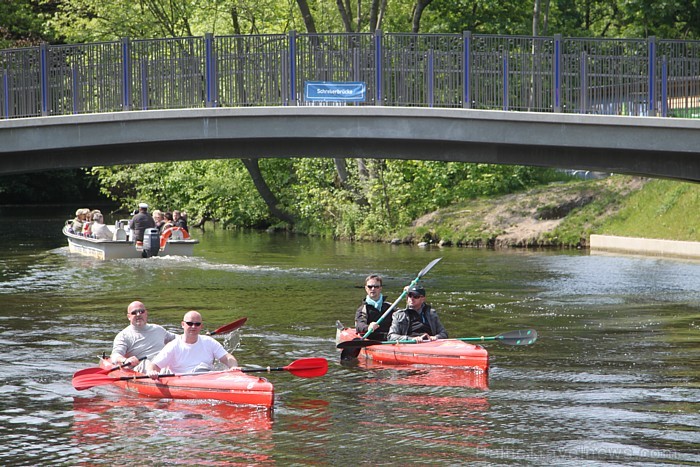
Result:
pixel 401 324
pixel 366 314
pixel 139 223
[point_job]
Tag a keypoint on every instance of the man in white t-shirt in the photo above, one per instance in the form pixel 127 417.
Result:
pixel 139 339
pixel 190 352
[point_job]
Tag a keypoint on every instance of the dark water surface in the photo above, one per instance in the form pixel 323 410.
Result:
pixel 613 380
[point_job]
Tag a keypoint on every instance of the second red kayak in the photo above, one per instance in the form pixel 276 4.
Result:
pixel 440 352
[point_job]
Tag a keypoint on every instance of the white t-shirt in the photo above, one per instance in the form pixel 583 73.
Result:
pixel 144 342
pixel 180 357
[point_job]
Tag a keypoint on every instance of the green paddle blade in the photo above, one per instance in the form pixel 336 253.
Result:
pixel 519 337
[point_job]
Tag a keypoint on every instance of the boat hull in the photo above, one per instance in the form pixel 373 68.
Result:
pixel 123 249
pixel 230 386
pixel 445 352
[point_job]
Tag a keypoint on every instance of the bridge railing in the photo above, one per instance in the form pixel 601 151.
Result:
pixel 542 74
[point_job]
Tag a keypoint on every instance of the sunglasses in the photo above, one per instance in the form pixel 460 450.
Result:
pixel 190 323
pixel 373 286
pixel 414 295
pixel 137 312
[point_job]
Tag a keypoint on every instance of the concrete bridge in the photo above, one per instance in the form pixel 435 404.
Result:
pixel 648 146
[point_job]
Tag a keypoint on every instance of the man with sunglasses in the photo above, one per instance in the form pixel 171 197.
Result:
pixel 190 352
pixel 139 339
pixel 418 321
pixel 373 307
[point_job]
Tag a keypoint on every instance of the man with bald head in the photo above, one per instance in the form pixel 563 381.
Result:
pixel 190 352
pixel 139 339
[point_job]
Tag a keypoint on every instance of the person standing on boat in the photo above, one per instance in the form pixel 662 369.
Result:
pixel 373 307
pixel 140 222
pixel 139 339
pixel 418 321
pixel 190 352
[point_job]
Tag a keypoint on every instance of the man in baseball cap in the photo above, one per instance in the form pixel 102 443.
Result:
pixel 418 321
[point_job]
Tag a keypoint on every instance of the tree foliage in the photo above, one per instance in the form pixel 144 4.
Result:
pixel 398 192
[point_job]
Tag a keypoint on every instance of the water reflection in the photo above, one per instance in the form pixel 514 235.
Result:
pixel 420 375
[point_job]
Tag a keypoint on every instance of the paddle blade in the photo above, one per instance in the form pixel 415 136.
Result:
pixel 89 381
pixel 92 371
pixel 350 353
pixel 357 344
pixel 425 270
pixel 101 371
pixel 230 327
pixel 519 337
pixel 308 367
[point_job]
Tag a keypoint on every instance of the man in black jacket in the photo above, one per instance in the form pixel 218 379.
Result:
pixel 419 321
pixel 140 222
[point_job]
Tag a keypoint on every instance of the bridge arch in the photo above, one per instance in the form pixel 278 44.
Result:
pixel 649 146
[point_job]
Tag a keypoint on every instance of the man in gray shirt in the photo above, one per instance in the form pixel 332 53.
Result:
pixel 139 339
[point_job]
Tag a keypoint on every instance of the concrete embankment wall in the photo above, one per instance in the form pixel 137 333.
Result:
pixel 645 246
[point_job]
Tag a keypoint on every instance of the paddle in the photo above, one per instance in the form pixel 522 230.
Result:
pixel 304 368
pixel 351 353
pixel 229 327
pixel 519 337
pixel 96 370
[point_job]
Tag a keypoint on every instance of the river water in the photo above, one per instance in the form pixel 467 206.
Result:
pixel 614 378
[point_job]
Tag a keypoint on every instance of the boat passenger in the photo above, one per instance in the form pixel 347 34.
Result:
pixel 180 220
pixel 140 339
pixel 99 229
pixel 167 221
pixel 190 352
pixel 373 307
pixel 80 217
pixel 140 222
pixel 158 219
pixel 418 321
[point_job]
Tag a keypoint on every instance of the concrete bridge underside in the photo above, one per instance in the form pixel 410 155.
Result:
pixel 655 147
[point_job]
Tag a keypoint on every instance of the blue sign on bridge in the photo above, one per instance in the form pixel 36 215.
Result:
pixel 347 91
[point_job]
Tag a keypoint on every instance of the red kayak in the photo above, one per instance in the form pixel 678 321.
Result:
pixel 230 386
pixel 446 352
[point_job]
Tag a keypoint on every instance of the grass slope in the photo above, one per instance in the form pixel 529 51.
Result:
pixel 565 214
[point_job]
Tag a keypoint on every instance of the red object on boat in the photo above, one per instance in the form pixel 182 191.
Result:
pixel 230 386
pixel 440 352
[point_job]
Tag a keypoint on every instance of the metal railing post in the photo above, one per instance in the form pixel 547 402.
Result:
pixel 378 70
pixel 292 68
pixel 664 87
pixel 210 79
pixel 466 70
pixel 505 81
pixel 143 73
pixel 6 92
pixel 557 72
pixel 431 78
pixel 651 41
pixel 43 63
pixel 75 89
pixel 126 74
pixel 584 84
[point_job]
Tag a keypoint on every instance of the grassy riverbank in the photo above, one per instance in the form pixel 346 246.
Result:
pixel 565 214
